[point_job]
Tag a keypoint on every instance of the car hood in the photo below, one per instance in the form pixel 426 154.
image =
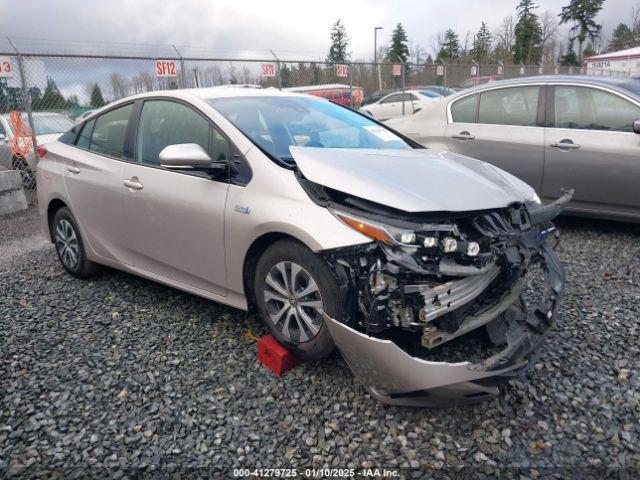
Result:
pixel 413 180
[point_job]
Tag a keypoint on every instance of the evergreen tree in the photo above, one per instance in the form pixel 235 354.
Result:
pixel 97 100
pixel 582 14
pixel 285 76
pixel 51 99
pixel 450 46
pixel 622 38
pixel 570 59
pixel 589 51
pixel 339 44
pixel 481 48
pixel 398 49
pixel 528 34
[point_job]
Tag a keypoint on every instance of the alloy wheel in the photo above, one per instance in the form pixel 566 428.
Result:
pixel 293 301
pixel 67 244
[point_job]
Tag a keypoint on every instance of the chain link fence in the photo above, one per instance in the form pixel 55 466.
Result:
pixel 43 91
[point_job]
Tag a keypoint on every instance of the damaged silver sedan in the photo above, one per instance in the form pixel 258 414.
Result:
pixel 337 230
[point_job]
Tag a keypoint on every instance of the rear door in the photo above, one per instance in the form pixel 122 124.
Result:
pixel 93 178
pixel 590 146
pixel 176 218
pixel 505 129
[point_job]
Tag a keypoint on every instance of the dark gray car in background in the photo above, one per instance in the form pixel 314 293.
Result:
pixel 553 132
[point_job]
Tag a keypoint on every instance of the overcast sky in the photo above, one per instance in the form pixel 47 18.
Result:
pixel 291 28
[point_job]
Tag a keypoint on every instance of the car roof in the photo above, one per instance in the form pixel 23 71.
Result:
pixel 616 83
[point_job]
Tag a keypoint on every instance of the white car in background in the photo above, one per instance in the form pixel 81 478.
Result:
pixel 48 126
pixel 390 106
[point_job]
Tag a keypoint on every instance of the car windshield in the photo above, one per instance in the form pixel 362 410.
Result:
pixel 429 93
pixel 49 124
pixel 276 123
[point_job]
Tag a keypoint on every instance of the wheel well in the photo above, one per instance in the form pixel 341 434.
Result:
pixel 254 253
pixel 55 205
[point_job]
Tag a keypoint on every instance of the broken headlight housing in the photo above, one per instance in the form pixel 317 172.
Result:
pixel 437 238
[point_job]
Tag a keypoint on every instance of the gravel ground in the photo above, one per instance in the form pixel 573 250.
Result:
pixel 120 376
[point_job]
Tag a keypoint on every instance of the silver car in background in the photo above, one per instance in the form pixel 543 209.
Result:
pixel 337 230
pixel 553 132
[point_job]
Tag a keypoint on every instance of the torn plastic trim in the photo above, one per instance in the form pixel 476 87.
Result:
pixel 394 377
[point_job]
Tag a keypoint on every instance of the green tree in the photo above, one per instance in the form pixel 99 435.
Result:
pixel 398 49
pixel 338 51
pixel 622 38
pixel 51 99
pixel 285 76
pixel 481 49
pixel 570 59
pixel 589 51
pixel 582 13
pixel 97 100
pixel 449 46
pixel 528 34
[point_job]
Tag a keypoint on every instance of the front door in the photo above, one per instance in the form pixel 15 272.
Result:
pixel 176 218
pixel 506 132
pixel 591 148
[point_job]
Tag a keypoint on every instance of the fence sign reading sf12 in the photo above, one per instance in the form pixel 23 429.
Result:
pixel 166 68
pixel 6 67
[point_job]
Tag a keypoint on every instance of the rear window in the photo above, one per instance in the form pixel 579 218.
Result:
pixel 464 110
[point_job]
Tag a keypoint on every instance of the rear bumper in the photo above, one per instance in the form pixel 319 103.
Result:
pixel 394 377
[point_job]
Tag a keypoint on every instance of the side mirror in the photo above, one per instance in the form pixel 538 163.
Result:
pixel 189 156
pixel 636 126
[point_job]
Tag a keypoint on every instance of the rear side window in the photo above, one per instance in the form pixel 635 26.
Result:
pixel 592 109
pixel 109 130
pixel 464 110
pixel 396 97
pixel 510 106
pixel 164 123
pixel 85 135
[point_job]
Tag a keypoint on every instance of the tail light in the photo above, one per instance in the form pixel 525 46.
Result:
pixel 41 151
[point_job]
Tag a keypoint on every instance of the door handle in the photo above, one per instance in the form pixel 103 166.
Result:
pixel 565 145
pixel 73 169
pixel 133 183
pixel 464 136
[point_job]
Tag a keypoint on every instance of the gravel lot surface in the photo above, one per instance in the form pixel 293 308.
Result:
pixel 120 376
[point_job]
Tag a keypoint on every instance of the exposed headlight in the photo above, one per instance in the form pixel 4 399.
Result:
pixel 385 233
pixel 430 242
pixel 449 244
pixel 473 249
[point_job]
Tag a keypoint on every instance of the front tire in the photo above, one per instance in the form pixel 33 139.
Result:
pixel 293 286
pixel 69 245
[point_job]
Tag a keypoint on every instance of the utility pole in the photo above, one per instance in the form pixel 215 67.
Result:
pixel 375 55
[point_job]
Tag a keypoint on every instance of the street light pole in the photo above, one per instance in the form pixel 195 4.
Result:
pixel 375 55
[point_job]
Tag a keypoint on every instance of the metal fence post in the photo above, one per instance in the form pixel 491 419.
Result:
pixel 350 84
pixel 403 85
pixel 26 98
pixel 279 76
pixel 183 76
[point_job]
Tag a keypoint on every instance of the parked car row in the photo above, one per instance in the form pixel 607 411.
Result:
pixel 553 132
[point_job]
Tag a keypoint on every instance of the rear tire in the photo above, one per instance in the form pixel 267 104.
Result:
pixel 69 245
pixel 292 286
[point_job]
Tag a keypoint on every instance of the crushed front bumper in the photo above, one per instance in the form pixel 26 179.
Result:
pixel 394 377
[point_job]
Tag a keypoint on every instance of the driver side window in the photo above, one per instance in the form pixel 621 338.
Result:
pixel 165 122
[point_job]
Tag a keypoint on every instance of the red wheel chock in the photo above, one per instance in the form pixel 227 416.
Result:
pixel 274 356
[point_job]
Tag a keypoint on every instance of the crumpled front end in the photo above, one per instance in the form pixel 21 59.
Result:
pixel 451 282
